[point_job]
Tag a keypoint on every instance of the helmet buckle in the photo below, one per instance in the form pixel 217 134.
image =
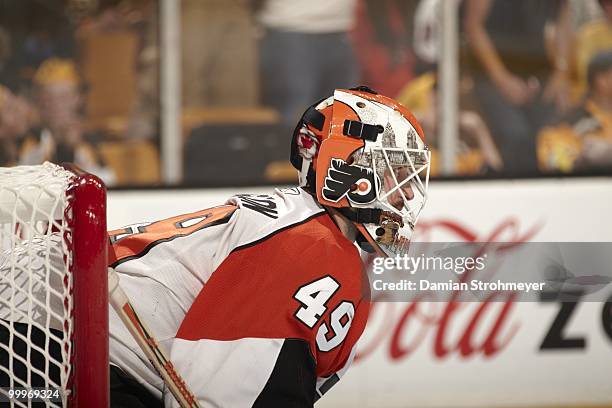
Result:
pixel 388 229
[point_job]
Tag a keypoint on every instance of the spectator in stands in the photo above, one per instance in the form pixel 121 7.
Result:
pixel 305 52
pixel 385 43
pixel 584 140
pixel 61 136
pixel 477 153
pixel 37 31
pixel 517 86
pixel 594 37
pixel 16 116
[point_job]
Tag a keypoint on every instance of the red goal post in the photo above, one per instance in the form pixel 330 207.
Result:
pixel 54 284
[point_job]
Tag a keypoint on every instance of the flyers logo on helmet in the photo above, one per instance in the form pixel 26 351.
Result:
pixel 341 177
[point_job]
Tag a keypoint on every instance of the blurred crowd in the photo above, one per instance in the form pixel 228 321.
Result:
pixel 79 81
pixel 538 70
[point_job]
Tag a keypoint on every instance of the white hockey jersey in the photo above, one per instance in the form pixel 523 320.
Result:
pixel 259 302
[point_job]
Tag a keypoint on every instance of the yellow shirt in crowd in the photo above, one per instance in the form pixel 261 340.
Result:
pixel 559 147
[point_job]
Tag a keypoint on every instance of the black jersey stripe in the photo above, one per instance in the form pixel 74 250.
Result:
pixel 293 379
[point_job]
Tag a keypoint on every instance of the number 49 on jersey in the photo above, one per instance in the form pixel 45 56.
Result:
pixel 314 297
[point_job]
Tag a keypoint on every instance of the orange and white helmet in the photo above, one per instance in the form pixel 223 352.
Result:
pixel 365 155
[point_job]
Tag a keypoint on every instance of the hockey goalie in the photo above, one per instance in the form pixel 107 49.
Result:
pixel 259 302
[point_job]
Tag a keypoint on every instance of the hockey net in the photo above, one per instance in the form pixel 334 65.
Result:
pixel 53 288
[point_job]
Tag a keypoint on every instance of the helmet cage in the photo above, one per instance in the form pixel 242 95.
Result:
pixel 401 194
pixel 371 163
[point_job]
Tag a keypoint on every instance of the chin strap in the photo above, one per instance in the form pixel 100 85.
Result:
pixel 362 215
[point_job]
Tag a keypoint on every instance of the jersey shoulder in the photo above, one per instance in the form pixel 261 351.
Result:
pixel 260 216
pixel 300 231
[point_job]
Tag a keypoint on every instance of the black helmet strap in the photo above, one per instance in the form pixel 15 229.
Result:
pixel 362 215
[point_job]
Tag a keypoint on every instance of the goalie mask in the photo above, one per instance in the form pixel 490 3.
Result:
pixel 365 155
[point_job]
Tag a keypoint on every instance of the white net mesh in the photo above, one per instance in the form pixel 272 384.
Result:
pixel 35 280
